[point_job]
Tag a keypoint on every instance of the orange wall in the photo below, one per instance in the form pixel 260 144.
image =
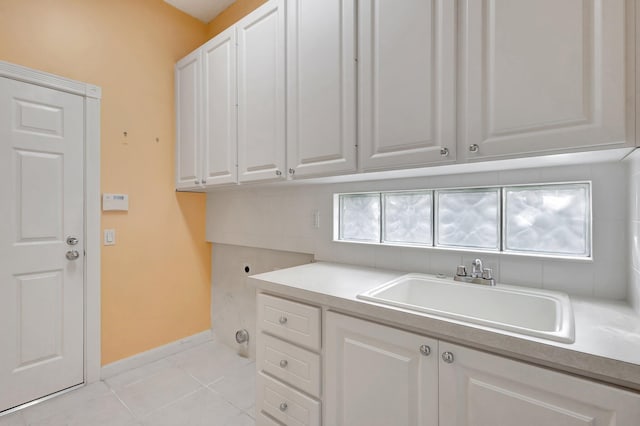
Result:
pixel 156 280
pixel 231 15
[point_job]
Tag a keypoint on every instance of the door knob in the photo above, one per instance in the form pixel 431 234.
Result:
pixel 72 255
pixel 72 241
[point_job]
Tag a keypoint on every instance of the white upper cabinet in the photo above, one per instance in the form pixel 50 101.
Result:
pixel 219 141
pixel 261 93
pixel 187 98
pixel 542 76
pixel 407 115
pixel 321 97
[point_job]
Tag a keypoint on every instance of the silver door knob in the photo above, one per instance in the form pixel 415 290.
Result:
pixel 284 363
pixel 72 241
pixel 292 171
pixel 72 254
pixel 278 173
pixel 474 147
pixel 447 357
pixel 444 152
pixel 283 406
pixel 282 320
pixel 425 350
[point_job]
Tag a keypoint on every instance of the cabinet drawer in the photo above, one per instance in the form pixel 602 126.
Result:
pixel 286 404
pixel 292 321
pixel 291 364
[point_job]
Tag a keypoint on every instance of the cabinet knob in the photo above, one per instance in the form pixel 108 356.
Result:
pixel 425 350
pixel 292 171
pixel 197 182
pixel 283 406
pixel 444 152
pixel 447 357
pixel 474 147
pixel 282 320
pixel 284 363
pixel 278 173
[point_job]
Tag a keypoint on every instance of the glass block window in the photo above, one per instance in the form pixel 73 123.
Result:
pixel 469 218
pixel 407 217
pixel 552 219
pixel 540 220
pixel 360 217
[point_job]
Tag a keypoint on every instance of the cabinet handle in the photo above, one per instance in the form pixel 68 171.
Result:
pixel 425 350
pixel 278 173
pixel 284 363
pixel 292 171
pixel 282 320
pixel 447 357
pixel 444 152
pixel 474 147
pixel 283 406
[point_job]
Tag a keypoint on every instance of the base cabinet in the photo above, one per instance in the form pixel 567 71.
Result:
pixel 480 389
pixel 378 375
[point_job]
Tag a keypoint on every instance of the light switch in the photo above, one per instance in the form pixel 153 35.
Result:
pixel 109 237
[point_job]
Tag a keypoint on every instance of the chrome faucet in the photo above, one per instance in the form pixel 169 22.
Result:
pixel 479 275
pixel 476 269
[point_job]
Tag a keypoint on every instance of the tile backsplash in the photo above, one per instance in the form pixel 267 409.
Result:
pixel 282 218
pixel 633 175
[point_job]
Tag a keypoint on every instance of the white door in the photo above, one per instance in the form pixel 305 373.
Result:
pixel 542 76
pixel 407 75
pixel 261 93
pixel 321 87
pixel 378 375
pixel 188 98
pixel 479 389
pixel 41 290
pixel 219 142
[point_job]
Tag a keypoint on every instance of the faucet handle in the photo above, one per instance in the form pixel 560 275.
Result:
pixel 461 271
pixel 487 273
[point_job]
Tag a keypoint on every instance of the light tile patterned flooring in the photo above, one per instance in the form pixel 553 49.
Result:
pixel 206 385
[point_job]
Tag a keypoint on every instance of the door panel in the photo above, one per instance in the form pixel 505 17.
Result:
pixel 188 98
pixel 220 127
pixel 377 376
pixel 479 389
pixel 406 83
pixel 41 291
pixel 261 94
pixel 321 97
pixel 541 76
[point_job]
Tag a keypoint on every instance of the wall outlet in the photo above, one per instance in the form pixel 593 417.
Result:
pixel 316 219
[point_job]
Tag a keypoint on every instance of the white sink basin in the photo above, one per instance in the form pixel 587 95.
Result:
pixel 538 313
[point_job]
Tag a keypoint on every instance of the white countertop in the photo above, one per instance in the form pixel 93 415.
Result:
pixel 606 347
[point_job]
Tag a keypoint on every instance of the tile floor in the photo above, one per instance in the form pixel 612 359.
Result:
pixel 206 385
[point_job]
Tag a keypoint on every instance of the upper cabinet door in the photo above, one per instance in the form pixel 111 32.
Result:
pixel 187 87
pixel 407 83
pixel 219 142
pixel 321 98
pixel 261 93
pixel 541 75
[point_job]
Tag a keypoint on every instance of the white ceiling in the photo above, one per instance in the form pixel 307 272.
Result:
pixel 204 10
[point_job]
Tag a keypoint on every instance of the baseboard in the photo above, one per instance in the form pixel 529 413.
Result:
pixel 154 354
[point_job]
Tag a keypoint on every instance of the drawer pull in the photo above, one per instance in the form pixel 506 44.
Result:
pixel 282 320
pixel 284 363
pixel 283 406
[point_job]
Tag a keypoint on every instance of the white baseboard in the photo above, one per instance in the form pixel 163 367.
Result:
pixel 154 354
